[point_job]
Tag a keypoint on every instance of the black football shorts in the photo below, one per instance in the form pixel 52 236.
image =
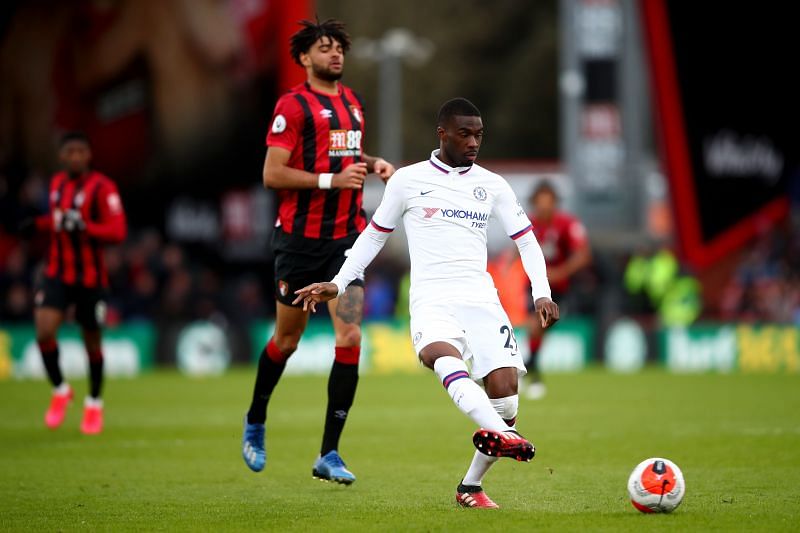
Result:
pixel 90 302
pixel 300 261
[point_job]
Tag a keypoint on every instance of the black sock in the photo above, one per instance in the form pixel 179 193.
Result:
pixel 49 351
pixel 341 392
pixel 95 377
pixel 269 373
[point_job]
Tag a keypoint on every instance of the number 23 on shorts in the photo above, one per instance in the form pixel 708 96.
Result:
pixel 511 340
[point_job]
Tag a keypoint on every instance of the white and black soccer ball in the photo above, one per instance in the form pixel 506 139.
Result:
pixel 656 485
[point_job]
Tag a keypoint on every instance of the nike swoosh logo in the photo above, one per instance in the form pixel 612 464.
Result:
pixel 423 193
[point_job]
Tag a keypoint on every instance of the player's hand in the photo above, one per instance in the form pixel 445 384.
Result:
pixel 383 168
pixel 352 177
pixel 312 294
pixel 548 312
pixel 73 221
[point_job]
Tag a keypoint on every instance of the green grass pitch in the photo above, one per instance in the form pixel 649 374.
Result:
pixel 169 458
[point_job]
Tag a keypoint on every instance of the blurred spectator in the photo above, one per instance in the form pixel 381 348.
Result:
pixel 18 302
pixel 655 284
pixel 379 297
pixel 175 297
pixel 15 284
pixel 766 284
pixel 245 300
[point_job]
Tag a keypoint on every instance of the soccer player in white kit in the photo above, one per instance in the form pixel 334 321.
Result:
pixel 445 204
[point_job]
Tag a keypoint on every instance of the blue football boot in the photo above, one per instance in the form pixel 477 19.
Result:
pixel 253 450
pixel 330 467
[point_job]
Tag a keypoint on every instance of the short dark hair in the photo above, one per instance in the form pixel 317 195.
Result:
pixel 544 187
pixel 73 135
pixel 456 107
pixel 302 41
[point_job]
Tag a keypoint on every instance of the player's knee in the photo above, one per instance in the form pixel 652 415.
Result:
pixel 428 359
pixel 286 344
pixel 506 407
pixel 45 329
pixel 45 336
pixel 349 336
pixel 502 383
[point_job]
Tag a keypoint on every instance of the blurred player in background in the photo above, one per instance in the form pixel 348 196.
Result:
pixel 445 204
pixel 566 252
pixel 85 214
pixel 316 162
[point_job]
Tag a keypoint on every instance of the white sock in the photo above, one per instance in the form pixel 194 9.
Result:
pixel 466 394
pixel 62 389
pixel 92 402
pixel 481 463
pixel 507 408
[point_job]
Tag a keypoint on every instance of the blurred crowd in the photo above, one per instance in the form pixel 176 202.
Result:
pixel 766 283
pixel 149 280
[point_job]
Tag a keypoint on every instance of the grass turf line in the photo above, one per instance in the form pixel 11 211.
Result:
pixel 169 458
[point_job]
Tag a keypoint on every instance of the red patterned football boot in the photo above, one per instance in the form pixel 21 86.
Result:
pixel 503 444
pixel 474 498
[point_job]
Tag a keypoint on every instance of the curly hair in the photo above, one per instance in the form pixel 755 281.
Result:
pixel 310 32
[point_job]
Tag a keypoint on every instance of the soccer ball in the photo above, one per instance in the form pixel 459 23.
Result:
pixel 656 486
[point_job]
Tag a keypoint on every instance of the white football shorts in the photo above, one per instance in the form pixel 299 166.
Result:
pixel 481 332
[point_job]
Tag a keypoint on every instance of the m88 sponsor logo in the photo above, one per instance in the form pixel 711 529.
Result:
pixel 344 143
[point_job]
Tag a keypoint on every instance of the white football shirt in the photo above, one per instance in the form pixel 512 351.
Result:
pixel 445 212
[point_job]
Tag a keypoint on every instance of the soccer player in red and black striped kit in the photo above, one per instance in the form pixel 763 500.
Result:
pixel 85 214
pixel 316 163
pixel 566 252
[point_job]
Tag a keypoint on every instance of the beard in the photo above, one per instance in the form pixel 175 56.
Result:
pixel 324 73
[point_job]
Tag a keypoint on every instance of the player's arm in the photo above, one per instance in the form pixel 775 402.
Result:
pixel 518 227
pixel 533 262
pixel 111 226
pixel 379 166
pixel 28 226
pixel 44 223
pixel 279 175
pixel 364 250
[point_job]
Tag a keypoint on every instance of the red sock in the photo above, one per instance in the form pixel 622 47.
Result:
pixel 48 347
pixel 534 343
pixel 274 353
pixel 347 355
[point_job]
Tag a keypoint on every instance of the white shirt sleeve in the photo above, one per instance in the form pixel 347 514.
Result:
pixel 517 225
pixel 372 239
pixel 534 265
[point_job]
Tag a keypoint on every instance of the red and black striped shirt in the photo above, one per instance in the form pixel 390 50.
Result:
pixel 76 257
pixel 324 133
